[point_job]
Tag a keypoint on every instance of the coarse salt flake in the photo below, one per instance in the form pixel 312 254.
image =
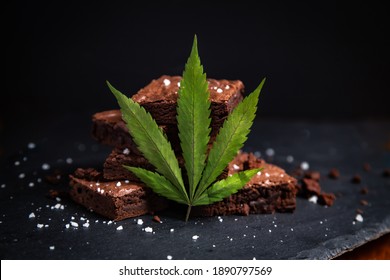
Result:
pixel 289 159
pixel 140 222
pixel 45 166
pixel 57 206
pixel 119 228
pixel 31 145
pixel 40 225
pixel 258 173
pixel 267 175
pixel 17 163
pixel 126 151
pixel 31 184
pixel 219 90
pixel 69 160
pixel 32 215
pixel 86 225
pixel 2 186
pixel 195 237
pixel 118 184
pixel 109 222
pixel 169 257
pixel 305 165
pixel 270 152
pixel 74 224
pixel 166 82
pixel 227 87
pixel 236 167
pixel 313 199
pixel 22 175
pixel 359 218
pixel 52 247
pixel 148 229
pixel 67 226
pixel 172 230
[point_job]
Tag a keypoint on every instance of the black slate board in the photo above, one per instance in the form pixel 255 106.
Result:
pixel 311 232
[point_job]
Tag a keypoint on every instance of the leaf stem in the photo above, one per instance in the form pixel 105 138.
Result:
pixel 188 212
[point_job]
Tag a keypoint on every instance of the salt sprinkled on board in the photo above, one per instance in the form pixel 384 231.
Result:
pixel 67 226
pixel 119 228
pixel 359 218
pixel 17 163
pixel 172 230
pixel 31 184
pixel 220 219
pixel 74 224
pixel 22 175
pixel 31 145
pixel 148 229
pixel 69 160
pixel 166 82
pixel 257 154
pixel 52 247
pixel 169 257
pixel 195 237
pixel 32 215
pixel 305 165
pixel 86 225
pixel 40 225
pixel 270 152
pixel 2 186
pixel 45 166
pixel 289 159
pixel 109 222
pixel 313 199
pixel 140 222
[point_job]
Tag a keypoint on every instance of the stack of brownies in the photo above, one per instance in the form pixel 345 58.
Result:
pixel 118 194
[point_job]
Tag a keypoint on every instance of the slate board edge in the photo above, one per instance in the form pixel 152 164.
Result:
pixel 331 248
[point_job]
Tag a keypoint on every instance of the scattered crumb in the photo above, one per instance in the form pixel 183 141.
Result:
pixel 157 219
pixel 386 172
pixel 119 228
pixel 367 167
pixel 364 202
pixel 17 163
pixel 326 199
pixel 169 257
pixel 364 190
pixel 359 218
pixel 334 173
pixel 356 179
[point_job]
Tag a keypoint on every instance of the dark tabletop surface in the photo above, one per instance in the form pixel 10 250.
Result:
pixel 311 232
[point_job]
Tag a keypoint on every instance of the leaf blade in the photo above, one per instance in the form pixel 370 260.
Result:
pixel 223 188
pixel 193 117
pixel 150 140
pixel 230 139
pixel 159 184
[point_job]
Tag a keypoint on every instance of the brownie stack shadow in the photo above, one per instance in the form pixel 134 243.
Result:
pixel 118 194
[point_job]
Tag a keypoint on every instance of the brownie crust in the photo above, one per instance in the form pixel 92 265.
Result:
pixel 159 98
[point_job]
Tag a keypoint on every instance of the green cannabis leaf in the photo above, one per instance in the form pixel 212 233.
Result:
pixel 193 118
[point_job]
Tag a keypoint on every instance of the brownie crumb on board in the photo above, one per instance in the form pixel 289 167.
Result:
pixel 359 211
pixel 314 175
pixel 157 219
pixel 326 199
pixel 364 190
pixel 364 202
pixel 367 167
pixel 356 179
pixel 334 173
pixel 386 172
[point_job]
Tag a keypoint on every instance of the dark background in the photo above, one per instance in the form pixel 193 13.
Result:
pixel 321 60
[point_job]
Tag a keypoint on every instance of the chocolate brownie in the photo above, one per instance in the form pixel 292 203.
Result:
pixel 108 128
pixel 115 200
pixel 269 191
pixel 159 98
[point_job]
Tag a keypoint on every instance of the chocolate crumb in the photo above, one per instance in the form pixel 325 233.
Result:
pixel 364 202
pixel 334 173
pixel 310 187
pixel 54 178
pixel 53 194
pixel 367 167
pixel 359 211
pixel 386 172
pixel 364 190
pixel 356 179
pixel 315 175
pixel 156 219
pixel 297 173
pixel 326 199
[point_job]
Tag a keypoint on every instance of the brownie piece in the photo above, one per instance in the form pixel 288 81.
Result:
pixel 108 128
pixel 113 166
pixel 159 98
pixel 115 200
pixel 269 191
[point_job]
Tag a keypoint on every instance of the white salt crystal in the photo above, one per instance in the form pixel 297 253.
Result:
pixel 169 257
pixel 313 199
pixel 31 145
pixel 236 167
pixel 267 175
pixel 86 225
pixel 74 224
pixel 219 90
pixel 166 82
pixel 172 230
pixel 290 159
pixel 270 152
pixel 149 229
pixel 195 237
pixel 140 221
pixel 52 247
pixel 305 165
pixel 40 225
pixel 359 218
pixel 118 184
pixel 69 160
pixel 119 228
pixel 126 151
pixel 22 175
pixel 45 166
pixel 32 215
pixel 67 225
